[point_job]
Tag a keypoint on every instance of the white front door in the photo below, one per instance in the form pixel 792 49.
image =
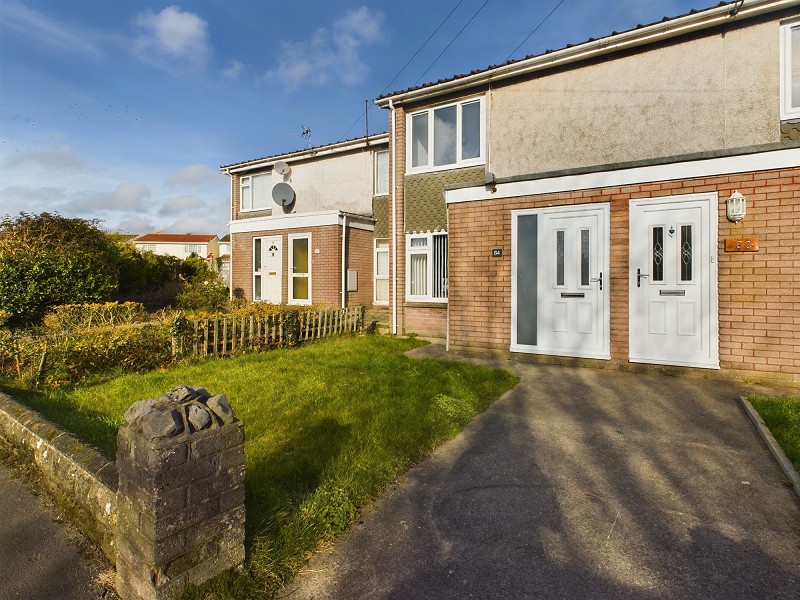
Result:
pixel 560 287
pixel 673 281
pixel 267 269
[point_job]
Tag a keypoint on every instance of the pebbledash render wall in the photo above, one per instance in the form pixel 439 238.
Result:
pixel 759 299
pixel 326 263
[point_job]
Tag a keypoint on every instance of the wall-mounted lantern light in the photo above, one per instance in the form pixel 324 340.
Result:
pixel 736 207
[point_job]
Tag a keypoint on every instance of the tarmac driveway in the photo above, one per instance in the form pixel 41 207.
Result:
pixel 581 483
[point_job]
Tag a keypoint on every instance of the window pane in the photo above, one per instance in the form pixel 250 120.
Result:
pixel 439 266
pixel 382 263
pixel 257 287
pixel 247 198
pixel 419 242
pixel 419 140
pixel 795 67
pixel 658 254
pixel 686 252
pixel 419 274
pixel 257 255
pixel 584 257
pixel 382 243
pixel 444 135
pixel 262 191
pixel 300 288
pixel 381 173
pixel 471 130
pixel 300 255
pixel 559 258
pixel 382 290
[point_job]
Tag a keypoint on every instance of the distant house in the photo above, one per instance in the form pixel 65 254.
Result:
pixel 180 245
pixel 587 202
pixel 225 258
pixel 311 227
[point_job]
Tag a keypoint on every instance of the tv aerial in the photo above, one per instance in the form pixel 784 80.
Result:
pixel 305 133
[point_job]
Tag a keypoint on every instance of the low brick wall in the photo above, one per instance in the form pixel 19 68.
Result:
pixel 81 479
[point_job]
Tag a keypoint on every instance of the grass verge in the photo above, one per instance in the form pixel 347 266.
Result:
pixel 782 416
pixel 327 427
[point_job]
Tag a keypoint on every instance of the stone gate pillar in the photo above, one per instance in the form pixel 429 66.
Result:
pixel 181 493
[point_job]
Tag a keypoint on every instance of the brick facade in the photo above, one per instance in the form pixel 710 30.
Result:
pixel 759 301
pixel 326 263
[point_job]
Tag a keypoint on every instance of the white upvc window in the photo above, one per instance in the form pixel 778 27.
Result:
pixel 146 247
pixel 381 274
pixel 447 136
pixel 382 173
pixel 300 268
pixel 191 248
pixel 790 71
pixel 426 268
pixel 255 192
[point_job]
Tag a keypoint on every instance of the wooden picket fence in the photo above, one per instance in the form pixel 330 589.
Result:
pixel 226 335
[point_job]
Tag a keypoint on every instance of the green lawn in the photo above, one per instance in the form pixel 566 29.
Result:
pixel 782 416
pixel 327 427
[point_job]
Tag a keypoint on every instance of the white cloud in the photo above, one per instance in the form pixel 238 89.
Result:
pixel 62 158
pixel 235 68
pixel 46 31
pixel 127 197
pixel 331 53
pixel 135 224
pixel 175 206
pixel 192 175
pixel 173 35
pixel 29 195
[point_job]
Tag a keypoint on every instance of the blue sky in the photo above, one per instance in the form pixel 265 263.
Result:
pixel 123 110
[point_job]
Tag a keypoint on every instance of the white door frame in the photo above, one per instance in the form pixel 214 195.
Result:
pixel 604 236
pixel 709 202
pixel 290 273
pixel 263 273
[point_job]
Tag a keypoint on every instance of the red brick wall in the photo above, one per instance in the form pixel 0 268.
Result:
pixel 360 252
pixel 759 295
pixel 428 320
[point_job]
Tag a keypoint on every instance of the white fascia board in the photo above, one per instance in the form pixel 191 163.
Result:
pixel 300 221
pixel 261 163
pixel 588 50
pixel 763 161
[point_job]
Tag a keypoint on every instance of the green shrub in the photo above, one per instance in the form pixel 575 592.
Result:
pixel 71 317
pixel 204 291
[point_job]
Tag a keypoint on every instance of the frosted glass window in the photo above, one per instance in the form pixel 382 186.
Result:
pixel 257 254
pixel 382 263
pixel 686 252
pixel 795 67
pixel 419 140
pixel 382 290
pixel 381 173
pixel 658 254
pixel 560 257
pixel 262 191
pixel 584 257
pixel 471 130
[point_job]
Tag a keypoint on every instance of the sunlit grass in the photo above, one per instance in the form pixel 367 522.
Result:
pixel 782 416
pixel 327 427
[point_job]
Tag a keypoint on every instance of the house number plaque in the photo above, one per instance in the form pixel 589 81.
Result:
pixel 741 245
pixel 497 252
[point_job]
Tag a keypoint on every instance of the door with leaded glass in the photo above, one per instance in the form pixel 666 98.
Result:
pixel 673 281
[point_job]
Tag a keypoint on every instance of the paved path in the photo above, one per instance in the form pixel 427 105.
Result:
pixel 581 484
pixel 39 558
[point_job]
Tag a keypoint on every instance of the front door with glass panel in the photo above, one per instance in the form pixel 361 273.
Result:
pixel 673 281
pixel 560 288
pixel 300 269
pixel 267 269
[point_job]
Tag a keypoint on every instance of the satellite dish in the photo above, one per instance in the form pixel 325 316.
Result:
pixel 283 194
pixel 281 168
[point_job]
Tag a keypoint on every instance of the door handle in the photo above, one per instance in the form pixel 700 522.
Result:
pixel 599 280
pixel 639 276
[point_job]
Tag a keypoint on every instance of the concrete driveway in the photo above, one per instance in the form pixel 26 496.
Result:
pixel 580 483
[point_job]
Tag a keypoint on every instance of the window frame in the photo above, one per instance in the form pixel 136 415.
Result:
pixel 290 273
pixel 188 249
pixel 427 250
pixel 247 181
pixel 787 110
pixel 376 178
pixel 460 162
pixel 375 277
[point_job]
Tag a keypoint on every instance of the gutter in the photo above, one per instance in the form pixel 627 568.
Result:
pixel 344 265
pixel 587 50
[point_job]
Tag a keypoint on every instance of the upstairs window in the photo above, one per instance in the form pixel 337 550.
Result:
pixel 255 192
pixel 447 136
pixel 146 247
pixel 790 76
pixel 192 249
pixel 382 173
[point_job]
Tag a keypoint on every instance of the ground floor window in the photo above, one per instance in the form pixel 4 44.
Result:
pixel 426 258
pixel 381 274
